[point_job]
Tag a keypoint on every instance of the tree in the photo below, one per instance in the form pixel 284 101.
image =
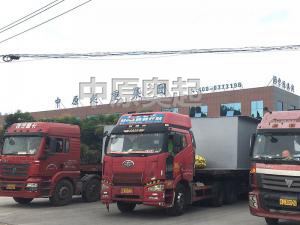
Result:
pixel 17 117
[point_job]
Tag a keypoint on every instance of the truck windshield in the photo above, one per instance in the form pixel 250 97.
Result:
pixel 135 143
pixel 277 146
pixel 21 145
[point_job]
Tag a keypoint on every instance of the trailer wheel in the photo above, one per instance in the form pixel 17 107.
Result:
pixel 23 201
pixel 271 221
pixel 126 207
pixel 179 205
pixel 231 195
pixel 91 192
pixel 218 195
pixel 62 194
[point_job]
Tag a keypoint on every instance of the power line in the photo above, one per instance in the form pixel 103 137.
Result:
pixel 46 21
pixel 34 15
pixel 95 55
pixel 24 17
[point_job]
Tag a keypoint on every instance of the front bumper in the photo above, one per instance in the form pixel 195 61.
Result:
pixel 139 195
pixel 258 210
pixel 19 189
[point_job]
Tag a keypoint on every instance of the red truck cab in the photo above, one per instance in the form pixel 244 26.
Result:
pixel 275 172
pixel 149 159
pixel 42 159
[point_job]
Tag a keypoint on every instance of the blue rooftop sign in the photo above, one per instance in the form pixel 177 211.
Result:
pixel 141 119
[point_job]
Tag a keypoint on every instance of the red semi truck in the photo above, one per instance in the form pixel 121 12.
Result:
pixel 275 172
pixel 150 159
pixel 41 160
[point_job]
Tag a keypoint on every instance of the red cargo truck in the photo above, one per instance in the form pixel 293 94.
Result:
pixel 150 159
pixel 275 173
pixel 41 160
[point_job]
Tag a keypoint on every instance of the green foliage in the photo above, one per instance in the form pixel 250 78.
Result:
pixel 17 117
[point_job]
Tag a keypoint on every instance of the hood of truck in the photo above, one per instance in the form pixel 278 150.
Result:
pixel 16 167
pixel 137 171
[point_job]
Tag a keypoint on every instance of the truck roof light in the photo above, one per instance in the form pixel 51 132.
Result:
pixel 275 125
pixel 292 125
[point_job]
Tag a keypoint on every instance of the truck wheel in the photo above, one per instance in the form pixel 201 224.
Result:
pixel 218 195
pixel 126 207
pixel 179 202
pixel 231 195
pixel 271 221
pixel 91 192
pixel 23 201
pixel 62 194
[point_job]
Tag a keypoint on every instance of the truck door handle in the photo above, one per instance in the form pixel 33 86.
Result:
pixel 61 166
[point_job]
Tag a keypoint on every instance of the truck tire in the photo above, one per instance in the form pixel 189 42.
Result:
pixel 179 205
pixel 62 195
pixel 218 195
pixel 271 221
pixel 231 195
pixel 91 192
pixel 126 207
pixel 23 201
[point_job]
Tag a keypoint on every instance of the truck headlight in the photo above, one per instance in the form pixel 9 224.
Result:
pixel 157 188
pixel 253 201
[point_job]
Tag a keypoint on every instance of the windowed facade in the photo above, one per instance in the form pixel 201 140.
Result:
pixel 173 109
pixel 279 106
pixel 292 107
pixel 199 111
pixel 257 109
pixel 231 109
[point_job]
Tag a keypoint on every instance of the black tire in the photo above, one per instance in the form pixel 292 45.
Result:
pixel 218 195
pixel 271 221
pixel 91 192
pixel 179 202
pixel 23 201
pixel 126 207
pixel 62 194
pixel 231 195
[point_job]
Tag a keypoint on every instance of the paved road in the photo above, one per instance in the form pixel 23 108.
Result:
pixel 79 213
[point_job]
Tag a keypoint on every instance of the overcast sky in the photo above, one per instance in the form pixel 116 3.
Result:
pixel 145 25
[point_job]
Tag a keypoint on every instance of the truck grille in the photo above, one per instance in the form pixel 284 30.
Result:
pixel 270 200
pixel 14 170
pixel 279 183
pixel 130 179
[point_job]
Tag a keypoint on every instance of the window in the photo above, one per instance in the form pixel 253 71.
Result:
pixel 57 145
pixel 257 109
pixel 279 106
pixel 173 109
pixel 292 107
pixel 199 111
pixel 231 109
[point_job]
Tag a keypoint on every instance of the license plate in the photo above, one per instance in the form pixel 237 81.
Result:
pixel 126 190
pixel 11 187
pixel 288 202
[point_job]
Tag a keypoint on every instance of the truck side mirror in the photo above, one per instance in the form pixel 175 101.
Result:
pixel 177 143
pixel 107 137
pixel 105 134
pixel 252 142
pixel 177 140
pixel 51 145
